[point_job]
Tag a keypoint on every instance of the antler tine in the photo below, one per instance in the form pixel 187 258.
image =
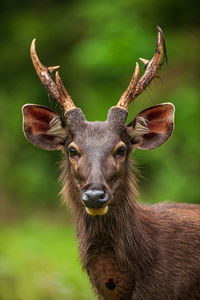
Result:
pixel 136 86
pixel 66 99
pixel 127 96
pixel 56 90
pixel 151 66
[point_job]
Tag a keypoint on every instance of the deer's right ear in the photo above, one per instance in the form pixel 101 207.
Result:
pixel 43 127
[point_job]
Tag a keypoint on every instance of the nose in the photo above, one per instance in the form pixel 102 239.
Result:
pixel 95 198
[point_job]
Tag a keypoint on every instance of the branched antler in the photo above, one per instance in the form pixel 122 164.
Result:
pixel 55 89
pixel 137 85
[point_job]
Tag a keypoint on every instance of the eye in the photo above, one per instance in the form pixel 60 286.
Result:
pixel 72 151
pixel 121 151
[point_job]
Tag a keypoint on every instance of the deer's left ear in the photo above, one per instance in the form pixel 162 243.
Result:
pixel 152 127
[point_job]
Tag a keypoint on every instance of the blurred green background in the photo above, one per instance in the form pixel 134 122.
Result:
pixel 97 44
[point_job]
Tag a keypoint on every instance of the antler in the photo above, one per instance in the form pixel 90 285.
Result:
pixel 137 85
pixel 55 89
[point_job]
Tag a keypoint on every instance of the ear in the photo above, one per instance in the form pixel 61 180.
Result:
pixel 152 127
pixel 43 127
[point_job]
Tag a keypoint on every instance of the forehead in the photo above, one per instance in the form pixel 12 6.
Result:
pixel 97 134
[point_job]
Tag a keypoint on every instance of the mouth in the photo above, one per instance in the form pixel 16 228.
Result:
pixel 97 211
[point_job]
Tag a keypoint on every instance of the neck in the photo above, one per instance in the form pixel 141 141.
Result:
pixel 126 231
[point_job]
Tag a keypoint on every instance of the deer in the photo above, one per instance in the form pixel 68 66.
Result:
pixel 130 250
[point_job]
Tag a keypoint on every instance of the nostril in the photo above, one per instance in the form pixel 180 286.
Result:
pixel 102 196
pixel 84 197
pixel 105 197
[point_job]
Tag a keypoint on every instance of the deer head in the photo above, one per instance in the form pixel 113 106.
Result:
pixel 97 152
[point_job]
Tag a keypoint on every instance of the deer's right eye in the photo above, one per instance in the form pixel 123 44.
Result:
pixel 72 151
pixel 121 151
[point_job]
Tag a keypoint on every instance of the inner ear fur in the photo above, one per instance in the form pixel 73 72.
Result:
pixel 152 127
pixel 43 127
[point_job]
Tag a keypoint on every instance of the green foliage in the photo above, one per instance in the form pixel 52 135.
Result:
pixel 40 261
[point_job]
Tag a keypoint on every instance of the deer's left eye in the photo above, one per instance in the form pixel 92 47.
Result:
pixel 72 151
pixel 121 151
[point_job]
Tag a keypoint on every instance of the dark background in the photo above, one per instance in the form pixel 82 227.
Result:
pixel 96 43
